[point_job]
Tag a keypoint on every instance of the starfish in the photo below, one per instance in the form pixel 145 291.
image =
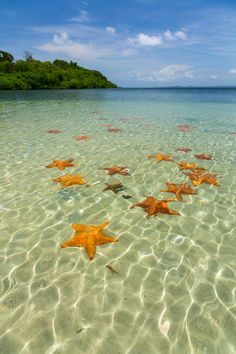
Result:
pixel 183 149
pixel 115 188
pixel 122 170
pixel 161 157
pixel 114 130
pixel 199 178
pixel 55 131
pixel 88 236
pixel 106 125
pixel 153 206
pixel 179 189
pixel 184 127
pixel 61 164
pixel 69 180
pixel 190 166
pixel 204 157
pixel 82 137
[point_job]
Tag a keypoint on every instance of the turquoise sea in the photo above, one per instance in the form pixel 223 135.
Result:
pixel 175 286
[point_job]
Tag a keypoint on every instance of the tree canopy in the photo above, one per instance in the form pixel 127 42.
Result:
pixel 5 56
pixel 33 74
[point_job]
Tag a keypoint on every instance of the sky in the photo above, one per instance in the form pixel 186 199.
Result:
pixel 135 43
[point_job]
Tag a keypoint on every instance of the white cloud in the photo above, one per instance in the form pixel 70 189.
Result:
pixel 172 36
pixel 232 71
pixel 110 29
pixel 62 38
pixel 61 43
pixel 170 72
pixel 181 35
pixel 168 36
pixel 83 17
pixel 214 77
pixel 145 39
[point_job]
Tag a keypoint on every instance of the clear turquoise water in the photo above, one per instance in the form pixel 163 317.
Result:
pixel 176 287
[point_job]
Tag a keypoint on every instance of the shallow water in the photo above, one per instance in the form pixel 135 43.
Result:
pixel 175 288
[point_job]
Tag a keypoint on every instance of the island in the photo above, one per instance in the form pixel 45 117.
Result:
pixel 32 74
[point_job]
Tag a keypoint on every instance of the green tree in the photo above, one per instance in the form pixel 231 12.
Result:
pixel 33 74
pixel 5 56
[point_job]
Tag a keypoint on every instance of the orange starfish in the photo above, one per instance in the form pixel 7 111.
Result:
pixel 89 236
pixel 69 180
pixel 198 178
pixel 184 127
pixel 61 164
pixel 153 206
pixel 190 166
pixel 184 149
pixel 179 189
pixel 204 157
pixel 82 137
pixel 161 157
pixel 122 170
pixel 114 130
pixel 106 125
pixel 55 131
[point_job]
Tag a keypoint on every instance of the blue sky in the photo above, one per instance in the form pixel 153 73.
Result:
pixel 135 43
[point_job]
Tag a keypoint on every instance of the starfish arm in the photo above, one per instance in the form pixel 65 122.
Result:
pixel 77 227
pixel 165 190
pixel 179 196
pixel 90 248
pixel 169 211
pixel 173 212
pixel 103 225
pixel 69 161
pixel 135 205
pixel 69 243
pixel 65 184
pixel 56 179
pixel 152 211
pixel 51 165
pixel 105 239
pixel 125 173
pixel 80 182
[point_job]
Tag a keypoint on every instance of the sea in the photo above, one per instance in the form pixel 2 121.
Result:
pixel 168 286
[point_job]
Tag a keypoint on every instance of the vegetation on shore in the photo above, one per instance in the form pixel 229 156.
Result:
pixel 31 74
